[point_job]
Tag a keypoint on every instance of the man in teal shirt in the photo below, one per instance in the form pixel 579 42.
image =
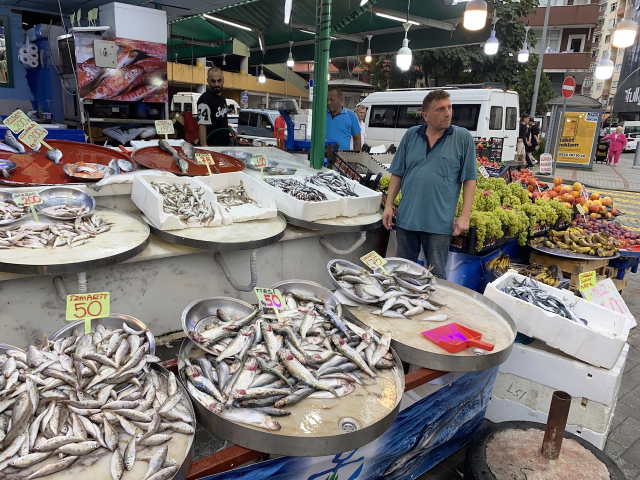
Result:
pixel 342 124
pixel 432 162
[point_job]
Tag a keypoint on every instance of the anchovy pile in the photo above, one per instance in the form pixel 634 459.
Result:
pixel 81 393
pixel 66 211
pixel 333 182
pixel 530 292
pixel 10 212
pixel 234 196
pixel 401 293
pixel 262 366
pixel 297 189
pixel 54 235
pixel 185 203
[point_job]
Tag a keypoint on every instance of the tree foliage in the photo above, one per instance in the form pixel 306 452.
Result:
pixel 525 84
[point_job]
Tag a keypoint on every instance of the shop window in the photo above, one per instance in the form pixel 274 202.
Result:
pixel 511 119
pixel 495 118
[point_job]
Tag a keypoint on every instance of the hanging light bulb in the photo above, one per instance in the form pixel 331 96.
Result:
pixel 368 57
pixel 625 33
pixel 290 62
pixel 523 55
pixel 404 56
pixel 224 59
pixel 261 77
pixel 604 70
pixel 475 15
pixel 491 45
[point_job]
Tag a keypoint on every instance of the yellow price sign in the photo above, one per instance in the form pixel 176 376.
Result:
pixel 17 121
pixel 87 306
pixel 374 261
pixel 28 199
pixel 270 298
pixel 33 136
pixel 587 280
pixel 205 159
pixel 580 209
pixel 164 127
pixel 260 161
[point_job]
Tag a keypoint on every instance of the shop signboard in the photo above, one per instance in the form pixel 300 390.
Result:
pixel 578 136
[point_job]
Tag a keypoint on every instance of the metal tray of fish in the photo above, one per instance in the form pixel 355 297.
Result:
pixel 17 216
pixel 203 312
pixel 239 154
pixel 339 288
pixel 315 427
pixel 560 252
pixel 308 288
pixel 103 170
pixel 54 196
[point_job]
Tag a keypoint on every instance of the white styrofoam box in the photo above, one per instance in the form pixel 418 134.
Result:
pixel 149 201
pixel 301 210
pixel 365 203
pixel 257 190
pixel 502 410
pixel 587 413
pixel 134 23
pixel 598 343
pixel 547 366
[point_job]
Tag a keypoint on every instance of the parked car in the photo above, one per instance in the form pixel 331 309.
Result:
pixel 257 122
pixel 632 142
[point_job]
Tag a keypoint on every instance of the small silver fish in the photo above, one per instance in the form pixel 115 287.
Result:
pixel 12 142
pixel 54 155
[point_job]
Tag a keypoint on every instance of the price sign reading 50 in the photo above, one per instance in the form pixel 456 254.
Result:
pixel 269 297
pixel 87 306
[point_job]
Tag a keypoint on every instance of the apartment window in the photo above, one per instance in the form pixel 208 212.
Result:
pixel 614 6
pixel 607 39
pixel 576 43
pixel 551 44
pixel 592 67
pixel 614 84
pixel 599 87
pixel 618 67
pixel 612 22
pixel 588 82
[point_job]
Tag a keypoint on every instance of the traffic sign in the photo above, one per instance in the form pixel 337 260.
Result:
pixel 568 87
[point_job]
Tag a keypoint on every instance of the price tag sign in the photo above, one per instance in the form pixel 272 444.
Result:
pixel 17 121
pixel 270 298
pixel 260 161
pixel 164 127
pixel 587 280
pixel 374 261
pixel 580 209
pixel 33 136
pixel 205 159
pixel 28 199
pixel 483 171
pixel 87 306
pixel 606 294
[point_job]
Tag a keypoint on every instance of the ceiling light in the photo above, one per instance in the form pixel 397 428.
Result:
pixel 287 10
pixel 397 19
pixel 224 59
pixel 362 2
pixel 237 25
pixel 404 56
pixel 523 55
pixel 261 77
pixel 491 45
pixel 290 62
pixel 604 70
pixel 625 33
pixel 368 57
pixel 475 15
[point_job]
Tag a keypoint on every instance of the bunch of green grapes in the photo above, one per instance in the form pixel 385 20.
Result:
pixel 487 224
pixel 519 191
pixel 486 200
pixel 499 186
pixel 384 183
pixel 396 202
pixel 548 213
pixel 523 234
pixel 512 220
pixel 511 201
pixel 563 212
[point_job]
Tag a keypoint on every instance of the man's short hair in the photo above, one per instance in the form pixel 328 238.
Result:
pixel 524 115
pixel 359 107
pixel 214 69
pixel 335 89
pixel 434 96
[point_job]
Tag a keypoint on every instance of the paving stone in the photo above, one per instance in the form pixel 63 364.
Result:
pixel 618 418
pixel 622 439
pixel 614 449
pixel 628 468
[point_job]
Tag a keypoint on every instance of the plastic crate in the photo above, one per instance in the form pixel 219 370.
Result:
pixel 560 225
pixel 346 169
pixel 467 243
pixel 542 229
pixel 623 264
pixel 503 173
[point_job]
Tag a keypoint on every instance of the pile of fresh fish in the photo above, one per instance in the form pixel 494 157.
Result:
pixel 10 212
pixel 234 196
pixel 262 366
pixel 52 235
pixel 529 291
pixel 119 165
pixel 402 292
pixel 66 210
pixel 297 189
pixel 181 162
pixel 11 143
pixel 84 393
pixel 185 203
pixel 333 182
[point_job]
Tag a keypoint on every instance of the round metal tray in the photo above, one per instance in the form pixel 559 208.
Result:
pixel 343 291
pixel 559 252
pixel 306 444
pixel 8 197
pixel 115 320
pixel 207 307
pixel 237 236
pixel 52 196
pixel 360 223
pixel 306 287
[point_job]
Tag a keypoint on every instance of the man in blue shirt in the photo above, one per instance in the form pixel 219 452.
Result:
pixel 342 124
pixel 432 162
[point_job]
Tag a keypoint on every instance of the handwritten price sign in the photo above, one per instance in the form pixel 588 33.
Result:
pixel 374 261
pixel 270 298
pixel 33 136
pixel 260 160
pixel 483 171
pixel 17 121
pixel 205 159
pixel 88 306
pixel 587 280
pixel 28 199
pixel 164 127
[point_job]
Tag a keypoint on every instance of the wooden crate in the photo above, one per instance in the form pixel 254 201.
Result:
pixel 569 265
pixel 621 284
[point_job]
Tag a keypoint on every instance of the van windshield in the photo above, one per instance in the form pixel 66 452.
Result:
pixel 406 116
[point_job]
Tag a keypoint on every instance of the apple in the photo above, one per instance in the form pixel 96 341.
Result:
pixel 595 196
pixel 593 209
pixel 602 210
pixel 557 181
pixel 614 211
pixel 607 201
pixel 538 195
pixel 577 186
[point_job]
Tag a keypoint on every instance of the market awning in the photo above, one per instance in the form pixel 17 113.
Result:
pixel 259 24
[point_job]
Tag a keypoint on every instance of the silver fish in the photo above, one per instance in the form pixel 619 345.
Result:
pixel 55 155
pixel 12 142
pixel 188 150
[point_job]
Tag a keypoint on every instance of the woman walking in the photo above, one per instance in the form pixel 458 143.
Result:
pixel 617 143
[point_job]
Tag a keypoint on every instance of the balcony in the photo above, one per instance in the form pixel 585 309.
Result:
pixel 563 62
pixel 567 15
pixel 620 12
pixel 586 90
pixel 598 29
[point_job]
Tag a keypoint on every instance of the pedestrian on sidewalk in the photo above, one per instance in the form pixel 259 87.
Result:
pixel 521 147
pixel 532 141
pixel 617 142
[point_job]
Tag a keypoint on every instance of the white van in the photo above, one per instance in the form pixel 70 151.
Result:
pixel 188 102
pixel 485 112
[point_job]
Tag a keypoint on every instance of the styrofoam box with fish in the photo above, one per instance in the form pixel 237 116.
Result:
pixel 300 209
pixel 149 201
pixel 367 201
pixel 598 343
pixel 255 189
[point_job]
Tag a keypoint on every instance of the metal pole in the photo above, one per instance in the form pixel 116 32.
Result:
pixel 320 83
pixel 558 136
pixel 636 159
pixel 556 423
pixel 534 100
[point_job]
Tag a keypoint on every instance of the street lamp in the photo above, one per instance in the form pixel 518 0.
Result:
pixel 475 15
pixel 368 57
pixel 404 56
pixel 604 70
pixel 523 55
pixel 290 62
pixel 492 44
pixel 625 33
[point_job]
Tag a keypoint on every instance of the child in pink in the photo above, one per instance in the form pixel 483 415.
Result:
pixel 617 143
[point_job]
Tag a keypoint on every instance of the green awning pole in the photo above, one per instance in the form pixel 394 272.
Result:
pixel 320 83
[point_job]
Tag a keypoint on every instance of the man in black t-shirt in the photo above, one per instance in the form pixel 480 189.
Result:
pixel 534 131
pixel 521 154
pixel 213 126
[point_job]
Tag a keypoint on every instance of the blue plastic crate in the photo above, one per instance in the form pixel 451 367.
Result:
pixel 624 263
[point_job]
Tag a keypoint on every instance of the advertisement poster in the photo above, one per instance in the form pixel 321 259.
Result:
pixel 140 76
pixel 423 434
pixel 577 137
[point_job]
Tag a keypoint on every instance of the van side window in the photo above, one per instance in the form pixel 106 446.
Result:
pixel 177 107
pixel 254 120
pixel 410 116
pixel 511 119
pixel 466 115
pixel 188 107
pixel 264 121
pixel 495 118
pixel 383 116
pixel 243 118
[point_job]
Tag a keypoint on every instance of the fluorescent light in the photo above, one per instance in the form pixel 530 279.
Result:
pixel 287 10
pixel 362 2
pixel 260 42
pixel 308 31
pixel 492 44
pixel 475 15
pixel 397 19
pixel 237 25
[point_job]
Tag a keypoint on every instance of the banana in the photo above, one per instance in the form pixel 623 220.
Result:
pixel 549 244
pixel 582 249
pixel 563 245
